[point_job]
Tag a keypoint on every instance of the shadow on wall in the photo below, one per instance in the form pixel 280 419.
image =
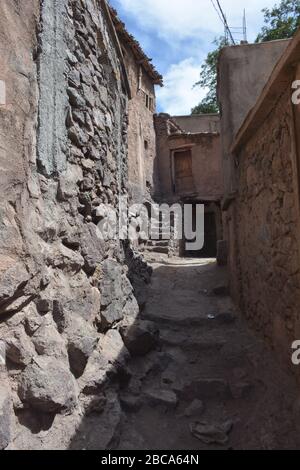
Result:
pixel 119 379
pixel 108 372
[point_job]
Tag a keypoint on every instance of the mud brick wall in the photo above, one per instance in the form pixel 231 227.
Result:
pixel 63 290
pixel 264 236
pixel 141 133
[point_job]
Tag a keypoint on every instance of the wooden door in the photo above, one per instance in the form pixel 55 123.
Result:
pixel 183 171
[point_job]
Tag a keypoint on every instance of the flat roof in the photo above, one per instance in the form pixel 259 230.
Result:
pixel 277 84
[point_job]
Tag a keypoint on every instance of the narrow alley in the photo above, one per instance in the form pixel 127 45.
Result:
pixel 211 383
pixel 149 252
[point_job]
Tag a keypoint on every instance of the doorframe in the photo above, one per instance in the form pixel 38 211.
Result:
pixel 181 149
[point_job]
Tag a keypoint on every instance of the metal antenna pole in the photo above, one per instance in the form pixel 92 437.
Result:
pixel 225 22
pixel 245 26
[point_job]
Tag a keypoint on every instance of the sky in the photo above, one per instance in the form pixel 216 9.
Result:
pixel 178 34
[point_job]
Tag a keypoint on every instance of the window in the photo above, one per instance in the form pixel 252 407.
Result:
pixel 149 102
pixel 146 144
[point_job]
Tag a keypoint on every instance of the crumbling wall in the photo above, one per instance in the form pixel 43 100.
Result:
pixel 63 290
pixel 264 237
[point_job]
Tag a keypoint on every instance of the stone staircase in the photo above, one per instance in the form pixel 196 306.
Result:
pixel 159 244
pixel 209 384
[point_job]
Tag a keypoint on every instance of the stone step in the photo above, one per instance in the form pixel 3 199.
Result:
pixel 192 341
pixel 203 388
pixel 160 243
pixel 157 249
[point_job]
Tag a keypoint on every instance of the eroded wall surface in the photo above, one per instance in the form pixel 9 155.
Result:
pixel 63 289
pixel 264 231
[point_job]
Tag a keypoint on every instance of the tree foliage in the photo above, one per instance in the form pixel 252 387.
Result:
pixel 281 22
pixel 208 79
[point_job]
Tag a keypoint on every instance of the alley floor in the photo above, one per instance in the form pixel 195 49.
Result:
pixel 211 384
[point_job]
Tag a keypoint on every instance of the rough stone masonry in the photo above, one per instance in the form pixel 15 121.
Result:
pixel 65 297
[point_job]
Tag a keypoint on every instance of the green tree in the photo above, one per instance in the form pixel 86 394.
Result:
pixel 208 79
pixel 281 21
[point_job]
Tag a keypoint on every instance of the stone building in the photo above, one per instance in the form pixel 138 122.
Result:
pixel 142 78
pixel 63 288
pixel 261 207
pixel 190 169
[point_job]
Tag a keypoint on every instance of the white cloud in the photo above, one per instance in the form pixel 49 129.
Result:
pixel 178 95
pixel 188 26
pixel 181 19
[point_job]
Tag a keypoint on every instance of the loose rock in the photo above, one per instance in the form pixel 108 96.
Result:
pixel 48 386
pixel 212 433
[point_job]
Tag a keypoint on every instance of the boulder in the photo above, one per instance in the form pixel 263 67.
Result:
pixel 111 315
pixel 212 433
pixel 95 374
pixel 48 341
pixel 82 340
pixel 140 337
pixel 93 248
pixel 113 349
pixel 19 348
pixel 13 278
pixel 111 284
pixel 48 386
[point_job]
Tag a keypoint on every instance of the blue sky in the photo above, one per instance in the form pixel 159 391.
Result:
pixel 178 34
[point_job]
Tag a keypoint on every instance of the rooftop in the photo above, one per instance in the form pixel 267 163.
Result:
pixel 136 48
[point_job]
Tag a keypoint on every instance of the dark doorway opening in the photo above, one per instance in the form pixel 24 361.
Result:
pixel 210 237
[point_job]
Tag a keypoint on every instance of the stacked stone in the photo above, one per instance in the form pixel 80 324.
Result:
pixel 70 306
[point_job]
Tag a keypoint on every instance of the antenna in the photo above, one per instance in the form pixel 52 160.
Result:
pixel 245 26
pixel 225 22
pixel 231 32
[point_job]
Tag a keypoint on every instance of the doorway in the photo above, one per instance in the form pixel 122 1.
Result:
pixel 210 236
pixel 183 171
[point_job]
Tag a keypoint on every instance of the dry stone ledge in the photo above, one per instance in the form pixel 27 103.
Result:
pixel 47 385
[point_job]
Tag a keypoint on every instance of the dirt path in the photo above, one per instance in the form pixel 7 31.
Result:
pixel 211 384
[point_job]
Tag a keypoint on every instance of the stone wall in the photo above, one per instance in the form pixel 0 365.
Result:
pixel 63 290
pixel 263 223
pixel 262 219
pixel 141 133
